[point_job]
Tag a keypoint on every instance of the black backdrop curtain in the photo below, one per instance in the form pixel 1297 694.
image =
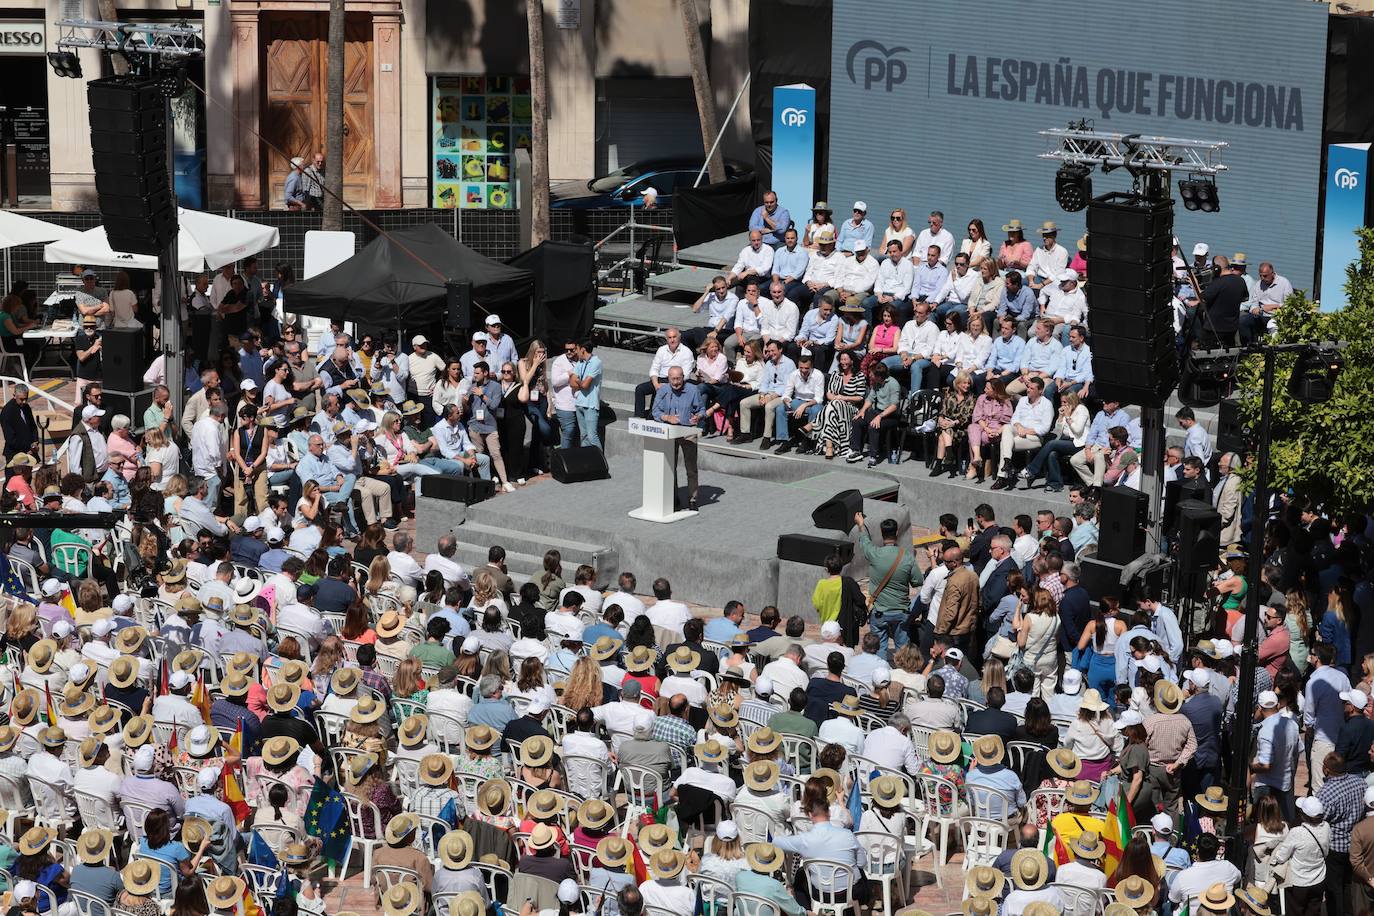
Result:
pixel 713 210
pixel 789 42
pixel 565 283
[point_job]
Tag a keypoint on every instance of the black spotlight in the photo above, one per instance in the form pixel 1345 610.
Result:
pixel 1315 373
pixel 1072 187
pixel 65 63
pixel 1199 193
pixel 1206 380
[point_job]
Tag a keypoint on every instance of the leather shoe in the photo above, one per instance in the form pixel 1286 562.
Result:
pixel 1002 483
pixel 784 448
pixel 765 443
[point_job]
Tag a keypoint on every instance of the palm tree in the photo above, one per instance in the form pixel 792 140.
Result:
pixel 539 125
pixel 701 85
pixel 334 121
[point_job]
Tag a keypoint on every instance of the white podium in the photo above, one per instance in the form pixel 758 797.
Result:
pixel 660 468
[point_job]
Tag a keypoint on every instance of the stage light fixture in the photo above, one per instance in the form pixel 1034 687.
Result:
pixel 65 63
pixel 1314 374
pixel 1073 187
pixel 1199 193
pixel 1207 380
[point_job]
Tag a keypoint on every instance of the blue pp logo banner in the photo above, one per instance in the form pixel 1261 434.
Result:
pixel 1347 174
pixel 794 149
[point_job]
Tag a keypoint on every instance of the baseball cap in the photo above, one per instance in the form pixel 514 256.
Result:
pixel 419 340
pixel 540 702
pixel 144 758
pixel 52 588
pixel 1128 718
pixel 207 778
pixel 860 245
pixel 179 679
pixel 881 675
pixel 1311 806
pixel 472 645
pixel 102 627
pixel 122 604
pixel 1357 698
pixel 727 831
pixel 1073 681
pixel 90 410
pixel 88 273
pixel 25 890
pixel 1200 249
pixel 1223 648
pixel 275 535
pixel 252 523
pixel 1068 276
pixel 492 319
pixel 480 335
pixel 1197 677
pixel 763 687
pixel 61 630
pixel 860 205
pixel 955 654
pixel 568 891
pixel 830 629
pixel 248 385
pixel 1268 699
pixel 1162 823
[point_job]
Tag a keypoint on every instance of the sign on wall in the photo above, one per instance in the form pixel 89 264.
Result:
pixel 478 122
pixel 1347 198
pixel 794 148
pixel 930 114
pixel 23 36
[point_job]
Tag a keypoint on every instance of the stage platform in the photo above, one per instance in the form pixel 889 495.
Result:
pixel 642 315
pixel 715 253
pixel 689 280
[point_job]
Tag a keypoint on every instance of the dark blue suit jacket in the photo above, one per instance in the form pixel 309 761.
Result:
pixel 1074 614
pixel 996 588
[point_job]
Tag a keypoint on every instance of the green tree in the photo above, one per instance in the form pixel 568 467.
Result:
pixel 1324 451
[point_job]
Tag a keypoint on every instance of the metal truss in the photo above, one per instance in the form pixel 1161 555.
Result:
pixel 173 41
pixel 1135 151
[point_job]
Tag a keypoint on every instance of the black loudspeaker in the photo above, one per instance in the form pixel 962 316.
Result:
pixel 131 404
pixel 837 512
pixel 458 296
pixel 457 488
pixel 812 549
pixel 579 463
pixel 1134 358
pixel 129 138
pixel 1199 535
pixel 122 362
pixel 1230 430
pixel 1100 578
pixel 1123 514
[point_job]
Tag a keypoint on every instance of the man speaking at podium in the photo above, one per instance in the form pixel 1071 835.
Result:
pixel 680 404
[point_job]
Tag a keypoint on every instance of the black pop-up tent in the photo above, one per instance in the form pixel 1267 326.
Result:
pixel 390 283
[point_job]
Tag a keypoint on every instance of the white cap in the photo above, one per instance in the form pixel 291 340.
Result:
pixel 541 701
pixel 568 891
pixel 1268 699
pixel 860 245
pixel 179 679
pixel 1357 698
pixel 61 630
pixel 51 588
pixel 727 831
pixel 122 604
pixel 419 340
pixel 881 675
pixel 144 758
pixel 1128 718
pixel 248 385
pixel 830 629
pixel 25 890
pixel 763 687
pixel 492 319
pixel 1223 648
pixel 1073 681
pixel 1199 249
pixel 1068 276
pixel 198 738
pixel 1311 806
pixel 206 778
pixel 78 672
pixel 860 205
pixel 102 627
pixel 480 335
pixel 367 426
pixel 1369 797
pixel 472 645
pixel 90 410
pixel 650 192
pixel 1152 664
pixel 252 523
pixel 275 535
pixel 1198 677
pixel 1162 823
pixel 956 654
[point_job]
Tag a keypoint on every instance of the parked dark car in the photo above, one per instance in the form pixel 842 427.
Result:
pixel 625 186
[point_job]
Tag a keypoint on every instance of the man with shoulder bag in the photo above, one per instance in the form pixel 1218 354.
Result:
pixel 892 575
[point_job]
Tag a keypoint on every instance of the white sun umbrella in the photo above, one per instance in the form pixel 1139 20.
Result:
pixel 204 241
pixel 17 229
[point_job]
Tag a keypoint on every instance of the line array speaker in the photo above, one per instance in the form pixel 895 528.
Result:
pixel 128 118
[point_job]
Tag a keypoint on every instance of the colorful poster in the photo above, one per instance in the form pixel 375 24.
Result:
pixel 479 121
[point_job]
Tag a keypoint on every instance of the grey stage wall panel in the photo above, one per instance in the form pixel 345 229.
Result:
pixel 936 105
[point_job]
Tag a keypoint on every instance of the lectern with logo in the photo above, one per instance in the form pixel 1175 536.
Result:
pixel 660 441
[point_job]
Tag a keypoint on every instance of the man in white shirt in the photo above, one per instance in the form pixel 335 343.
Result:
pixel 664 612
pixel 621 716
pixel 1205 871
pixel 302 618
pixel 778 316
pixel 858 274
pixel 958 289
pixel 1026 545
pixel 671 354
pixel 442 559
pixel 1049 260
pixel 718 303
pixel 785 673
pixel 755 261
pixel 403 565
pixel 841 729
pixel 561 392
pixel 48 766
pixel 208 447
pixel 823 270
pixel 711 756
pixel 890 747
pixel 817 654
pixel 915 345
pixel 936 235
pixel 1196 443
pixel 447 700
pixel 1032 419
pixel 892 286
pixel 1268 295
pixel 425 366
pixel 801 401
pixel 89 437
pixel 176 705
pixel 1064 305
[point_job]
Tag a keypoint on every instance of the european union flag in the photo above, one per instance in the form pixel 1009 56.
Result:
pixel 259 853
pixel 326 817
pixel 10 583
pixel 856 805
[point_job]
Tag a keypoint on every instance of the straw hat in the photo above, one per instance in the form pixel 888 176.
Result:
pixel 604 648
pixel 243 663
pixel 35 840
pixel 887 791
pixel 848 706
pixel 93 846
pixel 243 615
pixel 1029 869
pixel 543 804
pixel 542 837
pixel 1167 697
pixel 124 671
pixel 138 731
pixel 9 736
pixel 75 702
pixel 194 830
pixel 614 852
pixel 835 779
pixel 88 750
pixel 724 716
pixel 236 685
pixel 293 672
pixel 1088 845
pixel 24 707
pixel 359 767
pixel 1118 909
pixel 401 900
pixel 455 849
pixel 1040 908
pixel 52 737
pixel 711 752
pixel 945 746
pixel 493 797
pixel 104 720
pixel 130 639
pixel 390 624
pixel 280 749
pixel 984 881
pixel 593 814
pixel 1064 763
pixel 400 827
pixel 467 903
pixel 977 906
pixel 1256 899
pixel 683 660
pixel 141 877
pixel 653 837
pixel 436 769
pixel 345 681
pixel 41 656
pixel 1048 227
pixel 284 697
pixel 536 751
pixel 1014 226
pixel 1214 799
pixel 225 892
pixel 764 858
pixel 761 776
pixel 413 730
pixel 667 864
pixel 1134 892
pixel 1080 792
pixel 640 658
pixel 988 750
pixel 187 660
pixel 764 741
pixel 1092 701
pixel 481 737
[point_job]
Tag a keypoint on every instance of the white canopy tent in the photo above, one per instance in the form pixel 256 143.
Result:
pixel 205 241
pixel 17 229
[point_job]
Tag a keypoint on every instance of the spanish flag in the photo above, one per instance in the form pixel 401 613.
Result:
pixel 1120 820
pixel 202 698
pixel 49 710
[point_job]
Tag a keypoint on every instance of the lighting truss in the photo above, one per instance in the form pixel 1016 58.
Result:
pixel 170 41
pixel 1073 146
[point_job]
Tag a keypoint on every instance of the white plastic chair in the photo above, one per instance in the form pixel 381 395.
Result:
pixel 983 840
pixel 587 776
pixel 989 803
pixel 753 905
pixel 883 857
pixel 943 814
pixel 1078 901
pixel 832 886
pixel 361 813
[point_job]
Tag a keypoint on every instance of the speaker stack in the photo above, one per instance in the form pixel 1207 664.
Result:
pixel 1124 513
pixel 129 143
pixel 1199 545
pixel 1130 297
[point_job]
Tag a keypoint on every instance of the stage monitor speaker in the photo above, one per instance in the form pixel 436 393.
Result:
pixel 457 488
pixel 579 463
pixel 1230 428
pixel 122 361
pixel 1123 514
pixel 458 296
pixel 129 137
pixel 1199 535
pixel 837 512
pixel 132 403
pixel 813 549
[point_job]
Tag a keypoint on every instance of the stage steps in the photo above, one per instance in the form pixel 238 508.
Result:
pixel 690 280
pixel 525 549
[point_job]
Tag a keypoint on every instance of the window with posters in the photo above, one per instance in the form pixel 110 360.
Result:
pixel 479 121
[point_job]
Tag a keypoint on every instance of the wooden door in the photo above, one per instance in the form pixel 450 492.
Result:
pixel 295 49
